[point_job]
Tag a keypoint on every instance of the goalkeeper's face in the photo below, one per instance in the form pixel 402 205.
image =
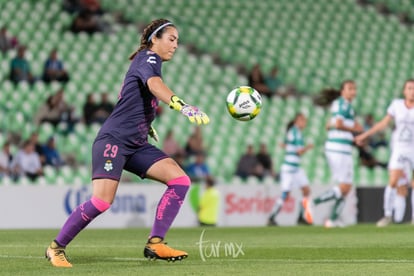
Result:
pixel 166 45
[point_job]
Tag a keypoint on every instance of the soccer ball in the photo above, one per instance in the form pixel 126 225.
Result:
pixel 244 103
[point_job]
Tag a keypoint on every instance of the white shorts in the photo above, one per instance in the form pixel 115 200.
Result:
pixel 289 179
pixel 402 160
pixel 341 166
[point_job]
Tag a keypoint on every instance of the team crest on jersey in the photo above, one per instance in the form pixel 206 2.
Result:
pixel 152 60
pixel 108 166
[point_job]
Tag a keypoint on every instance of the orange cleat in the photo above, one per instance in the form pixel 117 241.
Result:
pixel 160 250
pixel 308 212
pixel 56 255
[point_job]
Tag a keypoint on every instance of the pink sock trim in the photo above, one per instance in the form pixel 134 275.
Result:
pixel 182 180
pixel 100 204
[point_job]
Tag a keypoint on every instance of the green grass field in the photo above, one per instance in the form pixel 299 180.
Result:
pixel 356 250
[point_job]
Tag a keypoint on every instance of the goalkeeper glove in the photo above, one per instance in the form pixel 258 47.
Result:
pixel 153 133
pixel 193 113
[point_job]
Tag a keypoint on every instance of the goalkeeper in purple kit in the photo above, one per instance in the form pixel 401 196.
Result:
pixel 122 144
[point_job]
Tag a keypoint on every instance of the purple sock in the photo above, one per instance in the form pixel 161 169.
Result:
pixel 168 207
pixel 78 220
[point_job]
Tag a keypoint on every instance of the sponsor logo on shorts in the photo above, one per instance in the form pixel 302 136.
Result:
pixel 108 166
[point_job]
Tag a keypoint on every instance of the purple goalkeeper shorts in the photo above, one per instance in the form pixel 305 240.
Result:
pixel 110 157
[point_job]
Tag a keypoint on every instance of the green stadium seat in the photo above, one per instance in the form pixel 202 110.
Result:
pixel 365 176
pixel 84 172
pixel 380 176
pixel 24 181
pixel 45 130
pixel 41 181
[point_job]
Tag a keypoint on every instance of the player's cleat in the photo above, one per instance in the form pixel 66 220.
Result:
pixel 56 255
pixel 308 210
pixel 271 222
pixel 302 221
pixel 385 221
pixel 333 223
pixel 329 224
pixel 160 250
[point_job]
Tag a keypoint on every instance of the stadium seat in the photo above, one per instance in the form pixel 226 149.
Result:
pixel 84 173
pixel 50 175
pixel 380 177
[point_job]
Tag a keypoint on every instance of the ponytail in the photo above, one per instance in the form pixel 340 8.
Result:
pixel 290 125
pixel 328 95
pixel 155 28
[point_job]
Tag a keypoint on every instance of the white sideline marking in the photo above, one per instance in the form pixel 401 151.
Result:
pixel 327 261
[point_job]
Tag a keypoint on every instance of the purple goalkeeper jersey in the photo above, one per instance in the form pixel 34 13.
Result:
pixel 135 110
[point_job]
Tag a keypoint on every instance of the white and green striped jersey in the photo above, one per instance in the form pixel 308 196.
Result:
pixel 340 141
pixel 293 142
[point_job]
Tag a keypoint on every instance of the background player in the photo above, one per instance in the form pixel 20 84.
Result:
pixel 401 111
pixel 122 143
pixel 398 207
pixel 291 173
pixel 338 147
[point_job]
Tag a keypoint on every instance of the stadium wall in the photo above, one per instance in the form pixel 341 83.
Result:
pixel 370 204
pixel 241 205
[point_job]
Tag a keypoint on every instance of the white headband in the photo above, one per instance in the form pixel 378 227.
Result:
pixel 157 29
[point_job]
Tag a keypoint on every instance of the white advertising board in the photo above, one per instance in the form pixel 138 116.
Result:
pixel 26 206
pixel 251 206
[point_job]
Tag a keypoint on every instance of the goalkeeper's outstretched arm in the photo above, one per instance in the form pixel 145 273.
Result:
pixel 166 95
pixel 159 89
